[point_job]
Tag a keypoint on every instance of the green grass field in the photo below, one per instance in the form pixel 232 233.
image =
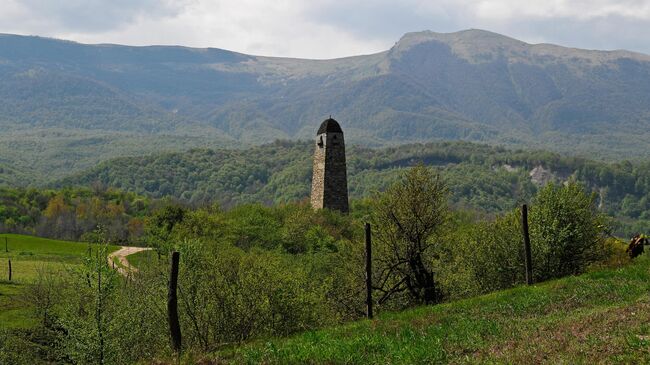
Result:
pixel 601 317
pixel 141 258
pixel 30 255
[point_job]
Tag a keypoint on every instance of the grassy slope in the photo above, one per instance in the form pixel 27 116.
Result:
pixel 600 317
pixel 29 256
pixel 139 259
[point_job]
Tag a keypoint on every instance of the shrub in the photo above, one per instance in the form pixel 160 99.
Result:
pixel 496 253
pixel 229 295
pixel 567 231
pixel 567 236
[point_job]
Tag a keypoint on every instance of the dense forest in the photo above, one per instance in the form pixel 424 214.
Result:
pixel 481 177
pixel 119 194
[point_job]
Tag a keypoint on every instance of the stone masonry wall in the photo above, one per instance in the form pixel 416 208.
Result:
pixel 329 181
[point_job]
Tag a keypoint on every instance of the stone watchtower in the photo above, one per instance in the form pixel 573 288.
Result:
pixel 329 185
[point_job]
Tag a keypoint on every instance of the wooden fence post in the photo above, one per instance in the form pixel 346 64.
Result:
pixel 368 272
pixel 98 314
pixel 9 270
pixel 172 304
pixel 524 227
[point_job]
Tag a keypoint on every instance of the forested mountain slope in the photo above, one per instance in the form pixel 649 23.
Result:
pixel 87 103
pixel 491 179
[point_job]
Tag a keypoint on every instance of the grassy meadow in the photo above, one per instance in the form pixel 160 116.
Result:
pixel 30 256
pixel 600 317
pixel 141 258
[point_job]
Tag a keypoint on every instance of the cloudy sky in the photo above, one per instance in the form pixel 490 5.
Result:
pixel 327 28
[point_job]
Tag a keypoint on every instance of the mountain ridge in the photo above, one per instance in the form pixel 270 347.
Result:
pixel 470 36
pixel 423 35
pixel 471 85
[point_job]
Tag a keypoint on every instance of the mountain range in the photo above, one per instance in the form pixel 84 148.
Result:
pixel 66 106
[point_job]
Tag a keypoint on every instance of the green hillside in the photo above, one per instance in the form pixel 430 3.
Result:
pixel 489 179
pixel 32 257
pixel 36 156
pixel 253 273
pixel 597 318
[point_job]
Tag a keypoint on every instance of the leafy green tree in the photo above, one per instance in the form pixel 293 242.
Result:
pixel 567 231
pixel 161 225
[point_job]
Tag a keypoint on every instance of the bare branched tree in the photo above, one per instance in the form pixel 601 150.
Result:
pixel 407 218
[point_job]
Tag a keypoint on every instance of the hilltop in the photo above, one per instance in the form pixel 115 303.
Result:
pixel 87 103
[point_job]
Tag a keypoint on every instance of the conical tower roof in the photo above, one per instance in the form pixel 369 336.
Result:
pixel 329 125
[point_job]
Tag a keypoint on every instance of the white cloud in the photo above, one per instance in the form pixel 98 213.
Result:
pixel 326 28
pixel 261 27
pixel 578 9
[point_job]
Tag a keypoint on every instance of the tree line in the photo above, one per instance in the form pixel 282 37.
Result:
pixel 74 214
pixel 486 178
pixel 122 194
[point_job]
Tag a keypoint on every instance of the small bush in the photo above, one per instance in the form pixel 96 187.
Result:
pixel 567 231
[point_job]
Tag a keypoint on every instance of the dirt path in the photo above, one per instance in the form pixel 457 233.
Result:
pixel 124 268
